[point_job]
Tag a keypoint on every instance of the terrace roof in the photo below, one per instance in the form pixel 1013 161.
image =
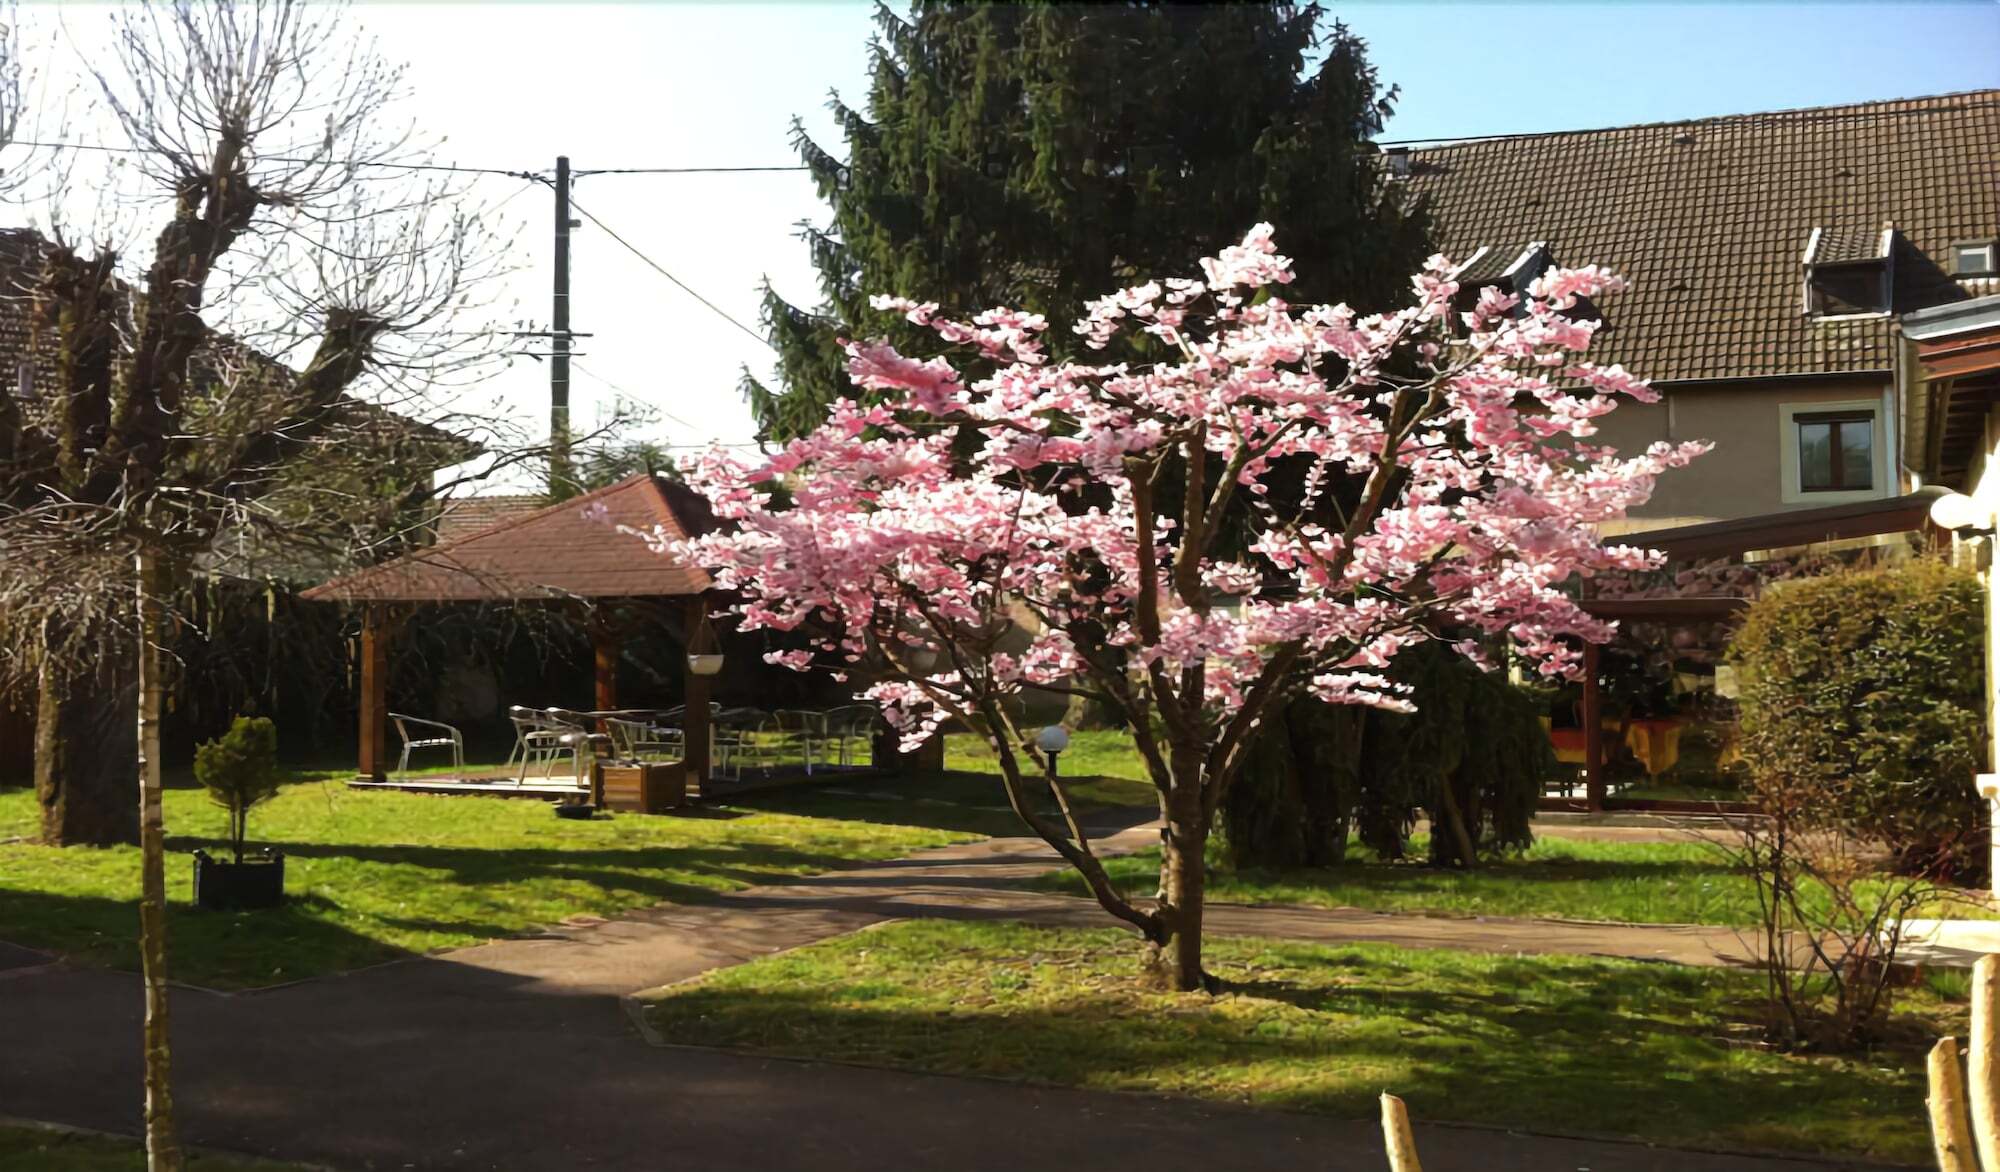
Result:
pixel 572 549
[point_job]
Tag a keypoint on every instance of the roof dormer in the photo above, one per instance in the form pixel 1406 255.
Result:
pixel 1849 271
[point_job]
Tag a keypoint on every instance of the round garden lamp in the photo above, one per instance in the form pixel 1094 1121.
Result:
pixel 1052 741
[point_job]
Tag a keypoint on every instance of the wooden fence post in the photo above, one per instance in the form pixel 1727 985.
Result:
pixel 1397 1138
pixel 1983 1065
pixel 1951 1138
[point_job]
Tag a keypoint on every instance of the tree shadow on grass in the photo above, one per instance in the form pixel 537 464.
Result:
pixel 954 800
pixel 1615 1054
pixel 221 950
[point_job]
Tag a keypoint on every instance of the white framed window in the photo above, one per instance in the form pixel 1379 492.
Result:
pixel 1975 258
pixel 1830 453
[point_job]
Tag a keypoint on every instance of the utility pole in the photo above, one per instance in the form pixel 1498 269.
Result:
pixel 562 475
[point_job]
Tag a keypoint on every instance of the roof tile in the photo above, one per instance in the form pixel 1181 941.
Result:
pixel 1710 220
pixel 553 552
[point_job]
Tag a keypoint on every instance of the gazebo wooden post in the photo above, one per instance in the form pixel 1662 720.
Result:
pixel 604 662
pixel 1593 732
pixel 375 638
pixel 695 733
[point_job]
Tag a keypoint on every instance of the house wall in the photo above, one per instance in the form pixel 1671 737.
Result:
pixel 1746 472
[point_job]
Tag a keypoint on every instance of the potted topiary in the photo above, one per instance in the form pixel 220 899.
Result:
pixel 240 771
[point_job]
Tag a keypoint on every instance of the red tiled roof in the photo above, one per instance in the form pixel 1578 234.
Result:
pixel 552 552
pixel 1711 218
pixel 464 516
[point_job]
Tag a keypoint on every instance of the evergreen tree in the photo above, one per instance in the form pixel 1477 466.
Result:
pixel 1036 156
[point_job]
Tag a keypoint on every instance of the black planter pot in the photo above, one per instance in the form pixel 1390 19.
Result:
pixel 256 882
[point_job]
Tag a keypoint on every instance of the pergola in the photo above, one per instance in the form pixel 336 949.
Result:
pixel 1770 531
pixel 571 551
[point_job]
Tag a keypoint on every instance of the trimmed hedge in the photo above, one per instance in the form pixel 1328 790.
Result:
pixel 1863 701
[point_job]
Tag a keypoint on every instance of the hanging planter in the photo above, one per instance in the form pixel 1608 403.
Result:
pixel 704 649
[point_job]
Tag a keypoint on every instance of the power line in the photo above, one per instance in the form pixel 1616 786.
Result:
pixel 128 150
pixel 687 170
pixel 580 210
pixel 579 368
pixel 395 166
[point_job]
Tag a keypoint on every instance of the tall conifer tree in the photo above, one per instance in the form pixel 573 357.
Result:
pixel 1034 156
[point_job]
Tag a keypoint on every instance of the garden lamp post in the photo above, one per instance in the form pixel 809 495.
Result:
pixel 1970 518
pixel 1052 741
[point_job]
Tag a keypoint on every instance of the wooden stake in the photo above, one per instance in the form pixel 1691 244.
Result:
pixel 1951 1137
pixel 1983 1066
pixel 1401 1144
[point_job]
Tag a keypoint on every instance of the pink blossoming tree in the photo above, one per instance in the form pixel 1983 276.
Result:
pixel 1439 484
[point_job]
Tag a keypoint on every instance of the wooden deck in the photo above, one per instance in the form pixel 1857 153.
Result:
pixel 495 786
pixel 499 784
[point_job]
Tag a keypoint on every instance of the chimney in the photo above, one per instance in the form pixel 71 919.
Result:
pixel 1399 161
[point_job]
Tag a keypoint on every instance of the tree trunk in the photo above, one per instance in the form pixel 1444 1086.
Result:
pixel 83 748
pixel 163 1153
pixel 1183 885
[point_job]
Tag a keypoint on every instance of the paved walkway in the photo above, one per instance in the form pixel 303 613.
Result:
pixel 516 1055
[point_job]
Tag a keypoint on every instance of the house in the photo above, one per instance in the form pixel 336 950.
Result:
pixel 1774 259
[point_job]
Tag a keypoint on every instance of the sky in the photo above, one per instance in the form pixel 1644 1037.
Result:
pixel 514 85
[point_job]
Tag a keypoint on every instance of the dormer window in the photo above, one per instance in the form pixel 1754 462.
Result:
pixel 1512 270
pixel 1848 271
pixel 1975 258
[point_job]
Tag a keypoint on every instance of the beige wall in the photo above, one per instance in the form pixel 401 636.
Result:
pixel 1743 475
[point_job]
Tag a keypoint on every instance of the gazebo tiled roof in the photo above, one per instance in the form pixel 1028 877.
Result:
pixel 554 552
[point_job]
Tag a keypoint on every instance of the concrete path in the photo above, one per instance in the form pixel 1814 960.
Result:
pixel 671 942
pixel 516 1055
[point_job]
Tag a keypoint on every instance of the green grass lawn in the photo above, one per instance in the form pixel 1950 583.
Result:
pixel 34 1149
pixel 1660 1052
pixel 1556 878
pixel 375 875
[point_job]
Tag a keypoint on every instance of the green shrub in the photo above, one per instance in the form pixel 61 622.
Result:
pixel 1474 756
pixel 1863 700
pixel 239 770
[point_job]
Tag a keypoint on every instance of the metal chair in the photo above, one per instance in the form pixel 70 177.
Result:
pixel 743 737
pixel 848 726
pixel 538 740
pixel 804 728
pixel 451 739
pixel 632 740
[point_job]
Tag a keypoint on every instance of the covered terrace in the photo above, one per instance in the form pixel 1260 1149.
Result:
pixel 1734 538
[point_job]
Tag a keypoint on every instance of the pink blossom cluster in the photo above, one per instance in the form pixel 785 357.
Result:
pixel 1435 465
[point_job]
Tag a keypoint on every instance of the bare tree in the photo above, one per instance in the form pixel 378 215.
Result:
pixel 230 394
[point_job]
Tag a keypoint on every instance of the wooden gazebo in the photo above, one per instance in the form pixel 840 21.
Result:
pixel 572 551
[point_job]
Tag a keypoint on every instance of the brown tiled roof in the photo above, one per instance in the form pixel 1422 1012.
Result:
pixel 1710 219
pixel 465 516
pixel 24 251
pixel 557 551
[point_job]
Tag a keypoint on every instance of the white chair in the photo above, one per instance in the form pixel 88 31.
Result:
pixel 804 728
pixel 538 740
pixel 431 734
pixel 582 748
pixel 851 726
pixel 633 740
